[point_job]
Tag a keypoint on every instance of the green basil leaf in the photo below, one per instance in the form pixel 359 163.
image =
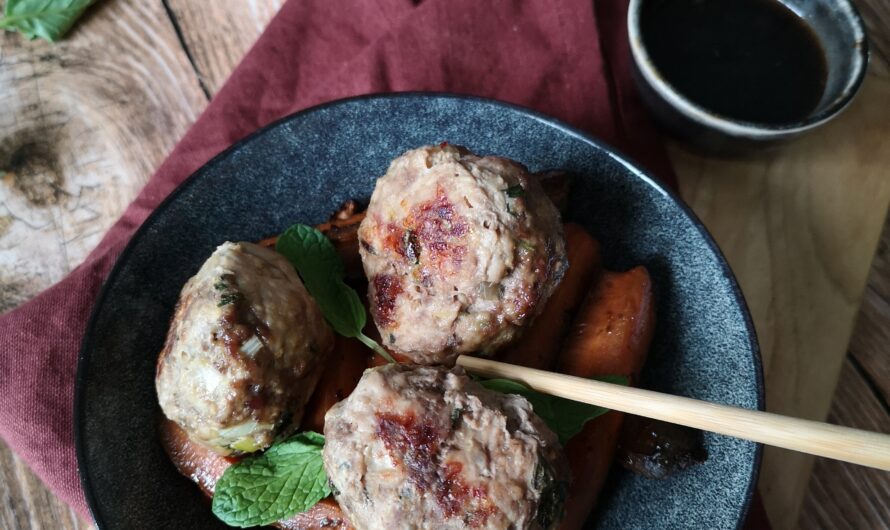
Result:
pixel 316 260
pixel 288 478
pixel 47 19
pixel 565 417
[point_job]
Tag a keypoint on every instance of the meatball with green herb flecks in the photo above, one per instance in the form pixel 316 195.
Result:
pixel 244 351
pixel 419 447
pixel 460 251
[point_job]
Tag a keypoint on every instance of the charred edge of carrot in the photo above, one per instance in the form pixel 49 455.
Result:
pixel 611 336
pixel 540 343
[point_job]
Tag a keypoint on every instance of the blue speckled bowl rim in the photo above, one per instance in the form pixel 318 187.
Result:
pixel 627 162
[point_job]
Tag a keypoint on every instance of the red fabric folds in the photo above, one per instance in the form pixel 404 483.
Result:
pixel 568 59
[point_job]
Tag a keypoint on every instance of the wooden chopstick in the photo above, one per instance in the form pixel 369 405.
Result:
pixel 822 439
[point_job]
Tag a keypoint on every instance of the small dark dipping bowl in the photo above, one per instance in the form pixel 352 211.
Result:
pixel 733 76
pixel 302 168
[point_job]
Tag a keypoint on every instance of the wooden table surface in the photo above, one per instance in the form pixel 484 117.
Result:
pixel 84 122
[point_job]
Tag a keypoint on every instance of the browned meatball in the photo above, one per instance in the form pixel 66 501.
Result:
pixel 460 252
pixel 426 447
pixel 243 352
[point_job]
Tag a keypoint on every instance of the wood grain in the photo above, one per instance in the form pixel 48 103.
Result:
pixel 84 123
pixel 218 34
pixel 843 496
pixel 799 227
pixel 870 345
pixel 26 503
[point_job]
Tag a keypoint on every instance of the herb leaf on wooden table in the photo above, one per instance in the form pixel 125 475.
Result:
pixel 287 479
pixel 47 19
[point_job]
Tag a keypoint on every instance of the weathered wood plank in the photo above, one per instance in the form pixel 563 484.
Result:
pixel 83 124
pixel 870 346
pixel 799 226
pixel 26 503
pixel 845 496
pixel 217 34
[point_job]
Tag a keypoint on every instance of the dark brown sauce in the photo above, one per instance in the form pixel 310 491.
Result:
pixel 750 60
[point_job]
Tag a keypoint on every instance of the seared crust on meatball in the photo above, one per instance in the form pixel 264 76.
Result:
pixel 460 252
pixel 427 447
pixel 243 352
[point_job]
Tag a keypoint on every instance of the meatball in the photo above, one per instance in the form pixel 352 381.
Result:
pixel 460 252
pixel 243 352
pixel 427 447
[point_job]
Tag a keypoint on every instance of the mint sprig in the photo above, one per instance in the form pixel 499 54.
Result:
pixel 565 417
pixel 318 264
pixel 47 19
pixel 288 478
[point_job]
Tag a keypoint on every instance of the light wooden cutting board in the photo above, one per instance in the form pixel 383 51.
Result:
pixel 799 227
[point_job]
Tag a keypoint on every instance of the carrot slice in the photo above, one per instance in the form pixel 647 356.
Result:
pixel 343 369
pixel 611 336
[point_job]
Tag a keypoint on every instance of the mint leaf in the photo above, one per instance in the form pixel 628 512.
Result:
pixel 316 260
pixel 312 437
pixel 47 19
pixel 565 417
pixel 288 478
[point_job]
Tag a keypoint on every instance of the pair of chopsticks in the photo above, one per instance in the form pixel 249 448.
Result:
pixel 821 439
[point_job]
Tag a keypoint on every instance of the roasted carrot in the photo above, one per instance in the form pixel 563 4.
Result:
pixel 611 336
pixel 193 460
pixel 206 467
pixel 326 515
pixel 342 230
pixel 540 343
pixel 269 242
pixel 343 369
pixel 614 327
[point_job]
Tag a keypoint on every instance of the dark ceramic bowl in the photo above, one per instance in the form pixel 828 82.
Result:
pixel 299 170
pixel 841 33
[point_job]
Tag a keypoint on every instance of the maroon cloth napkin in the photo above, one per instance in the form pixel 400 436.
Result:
pixel 568 59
